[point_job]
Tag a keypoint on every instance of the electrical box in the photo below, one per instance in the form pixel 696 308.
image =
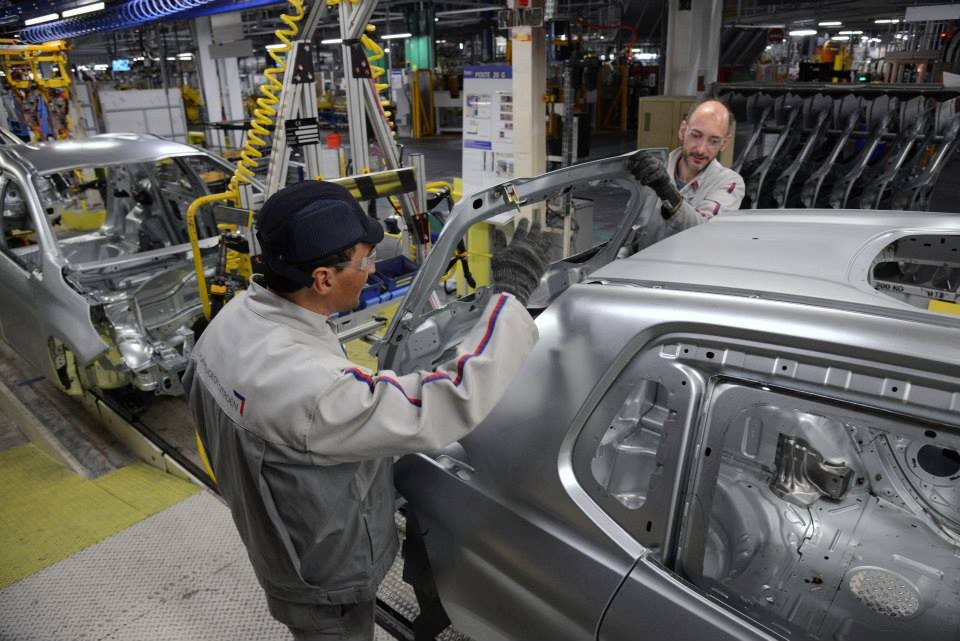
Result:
pixel 660 118
pixel 657 126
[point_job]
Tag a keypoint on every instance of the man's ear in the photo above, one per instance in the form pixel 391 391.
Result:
pixel 683 130
pixel 323 279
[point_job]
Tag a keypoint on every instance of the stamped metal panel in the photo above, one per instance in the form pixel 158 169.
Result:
pixel 856 359
pixel 40 296
pixel 789 255
pixel 513 557
pixel 103 149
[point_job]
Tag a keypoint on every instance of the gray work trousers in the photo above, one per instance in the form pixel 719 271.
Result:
pixel 347 622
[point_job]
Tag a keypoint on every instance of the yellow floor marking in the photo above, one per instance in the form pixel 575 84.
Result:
pixel 48 513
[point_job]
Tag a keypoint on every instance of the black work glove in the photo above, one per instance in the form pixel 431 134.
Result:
pixel 651 172
pixel 517 269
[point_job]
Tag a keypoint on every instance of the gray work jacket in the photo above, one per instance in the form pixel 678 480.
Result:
pixel 711 192
pixel 302 441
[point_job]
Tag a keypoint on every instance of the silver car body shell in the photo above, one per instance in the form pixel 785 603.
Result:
pixel 57 309
pixel 520 546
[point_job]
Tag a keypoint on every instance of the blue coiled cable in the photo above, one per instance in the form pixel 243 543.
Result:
pixel 124 16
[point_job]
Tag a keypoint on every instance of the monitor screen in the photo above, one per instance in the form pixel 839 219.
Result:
pixel 121 64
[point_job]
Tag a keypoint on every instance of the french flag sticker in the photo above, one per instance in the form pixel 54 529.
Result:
pixel 242 399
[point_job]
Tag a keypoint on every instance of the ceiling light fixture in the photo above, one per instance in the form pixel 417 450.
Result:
pixel 40 19
pixel 395 36
pixel 329 41
pixel 87 8
pixel 886 21
pixel 840 38
pixel 830 23
pixel 799 33
pixel 850 33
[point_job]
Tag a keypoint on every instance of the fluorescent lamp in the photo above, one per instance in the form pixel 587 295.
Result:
pixel 441 42
pixel 643 56
pixel 39 19
pixel 278 45
pixel 138 59
pixel 100 67
pixel 185 56
pixel 395 36
pixel 802 32
pixel 830 23
pixel 330 41
pixel 840 38
pixel 172 58
pixel 87 8
pixel 850 33
pixel 887 21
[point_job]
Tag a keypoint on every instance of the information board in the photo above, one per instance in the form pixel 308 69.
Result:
pixel 487 126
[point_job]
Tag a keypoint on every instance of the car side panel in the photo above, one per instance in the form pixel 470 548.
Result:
pixel 681 613
pixel 21 326
pixel 505 572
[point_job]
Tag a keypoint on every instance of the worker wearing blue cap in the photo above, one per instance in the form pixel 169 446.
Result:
pixel 301 440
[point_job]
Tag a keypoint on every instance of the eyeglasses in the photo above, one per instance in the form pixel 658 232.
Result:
pixel 713 142
pixel 365 263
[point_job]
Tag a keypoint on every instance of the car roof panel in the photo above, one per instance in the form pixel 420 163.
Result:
pixel 103 149
pixel 820 254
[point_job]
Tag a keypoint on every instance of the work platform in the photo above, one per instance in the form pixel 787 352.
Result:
pixel 106 546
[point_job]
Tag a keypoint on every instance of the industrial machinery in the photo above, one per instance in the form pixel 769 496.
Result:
pixel 287 114
pixel 825 145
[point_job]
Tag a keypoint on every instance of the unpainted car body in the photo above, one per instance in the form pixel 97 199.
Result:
pixel 96 275
pixel 749 430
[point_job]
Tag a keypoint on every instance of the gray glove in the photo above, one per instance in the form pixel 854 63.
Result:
pixel 517 269
pixel 651 172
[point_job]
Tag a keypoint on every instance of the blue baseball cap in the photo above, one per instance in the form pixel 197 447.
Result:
pixel 309 221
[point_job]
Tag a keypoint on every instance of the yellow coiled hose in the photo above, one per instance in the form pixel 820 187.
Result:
pixel 263 117
pixel 376 71
pixel 265 112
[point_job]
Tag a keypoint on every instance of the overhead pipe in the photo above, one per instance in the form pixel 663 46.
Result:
pixel 129 14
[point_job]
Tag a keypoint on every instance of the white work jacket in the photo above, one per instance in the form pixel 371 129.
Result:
pixel 714 190
pixel 301 440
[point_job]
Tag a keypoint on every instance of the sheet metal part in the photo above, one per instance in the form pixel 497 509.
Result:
pixel 789 161
pixel 802 477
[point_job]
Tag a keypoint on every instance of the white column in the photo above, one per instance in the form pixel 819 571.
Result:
pixel 233 96
pixel 209 84
pixel 529 86
pixel 693 46
pixel 228 27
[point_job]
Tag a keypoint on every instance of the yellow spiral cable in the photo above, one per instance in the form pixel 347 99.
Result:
pixel 376 72
pixel 263 115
